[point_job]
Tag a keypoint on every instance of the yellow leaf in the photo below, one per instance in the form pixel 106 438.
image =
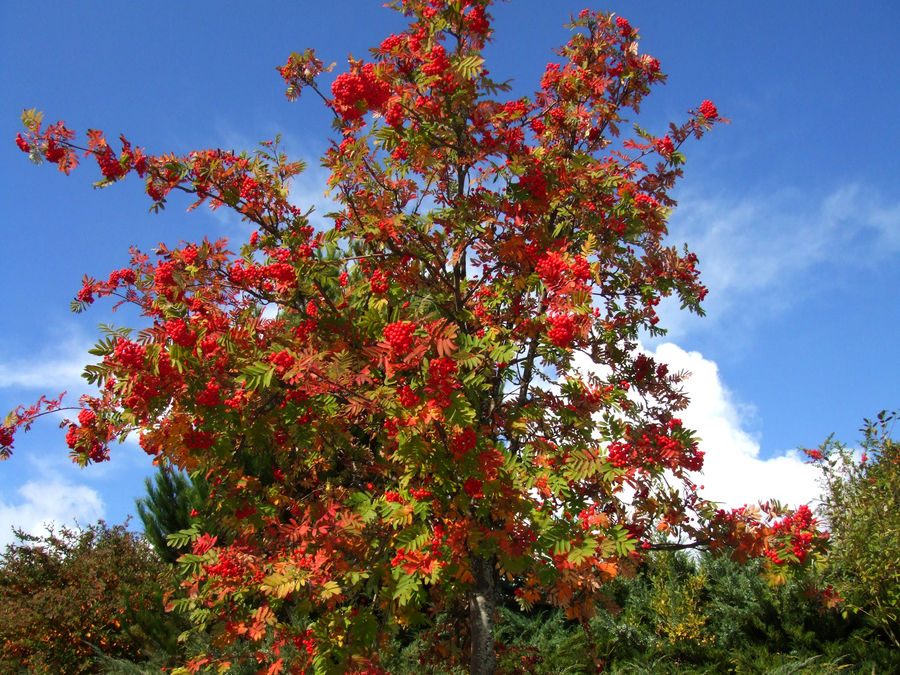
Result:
pixel 329 589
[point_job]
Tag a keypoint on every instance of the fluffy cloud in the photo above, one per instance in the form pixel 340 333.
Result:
pixel 52 374
pixel 752 248
pixel 734 471
pixel 50 368
pixel 46 502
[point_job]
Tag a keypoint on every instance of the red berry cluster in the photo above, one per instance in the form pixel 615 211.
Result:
pixel 551 268
pixel 581 269
pixel 390 43
pixel 708 110
pixel 536 184
pixel 562 329
pixel 210 395
pixel 228 567
pixel 72 436
pixel 623 26
pixel 164 276
pixel 463 443
pixel 126 276
pixel 645 201
pixel 306 642
pixel 399 336
pixel 198 440
pixel 379 282
pixel 129 354
pixel 394 116
pixel 664 146
pixel 441 381
pixel 282 360
pixel 179 332
pixel 619 453
pixel 304 329
pixel 436 63
pixel 86 436
pixel 109 164
pixel 407 397
pixel 54 153
pixel 473 488
pixel 798 528
pixel 7 436
pixel 251 191
pixel 355 93
pixel 477 21
pixel 656 447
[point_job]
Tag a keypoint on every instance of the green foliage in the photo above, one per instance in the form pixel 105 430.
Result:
pixel 739 623
pixel 862 506
pixel 679 614
pixel 70 594
pixel 542 642
pixel 160 659
pixel 167 507
pixel 425 651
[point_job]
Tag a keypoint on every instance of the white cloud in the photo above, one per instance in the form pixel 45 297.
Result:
pixel 48 501
pixel 734 472
pixel 50 374
pixel 751 249
pixel 53 368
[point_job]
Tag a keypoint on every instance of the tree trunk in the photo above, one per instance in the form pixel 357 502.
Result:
pixel 482 605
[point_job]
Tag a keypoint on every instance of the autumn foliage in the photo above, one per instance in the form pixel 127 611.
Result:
pixel 447 387
pixel 70 594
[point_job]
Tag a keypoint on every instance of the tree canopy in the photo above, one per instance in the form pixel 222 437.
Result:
pixel 71 593
pixel 443 387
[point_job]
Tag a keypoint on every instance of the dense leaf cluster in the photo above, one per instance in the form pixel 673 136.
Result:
pixel 438 390
pixel 71 593
pixel 861 504
pixel 90 601
pixel 682 614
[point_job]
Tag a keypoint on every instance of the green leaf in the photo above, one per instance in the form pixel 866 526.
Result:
pixel 257 375
pixel 470 66
pixel 407 586
pixel 364 627
pixel 182 537
pixel 412 539
pixel 562 546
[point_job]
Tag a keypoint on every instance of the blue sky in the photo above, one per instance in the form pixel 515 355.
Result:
pixel 793 208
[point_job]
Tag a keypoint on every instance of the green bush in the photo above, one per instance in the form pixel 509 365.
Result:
pixel 73 593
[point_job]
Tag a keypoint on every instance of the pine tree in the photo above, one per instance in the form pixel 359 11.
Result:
pixel 171 499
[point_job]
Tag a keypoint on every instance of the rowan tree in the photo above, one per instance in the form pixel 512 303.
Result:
pixel 451 389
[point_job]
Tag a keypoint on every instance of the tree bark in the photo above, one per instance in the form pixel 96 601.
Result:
pixel 482 605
